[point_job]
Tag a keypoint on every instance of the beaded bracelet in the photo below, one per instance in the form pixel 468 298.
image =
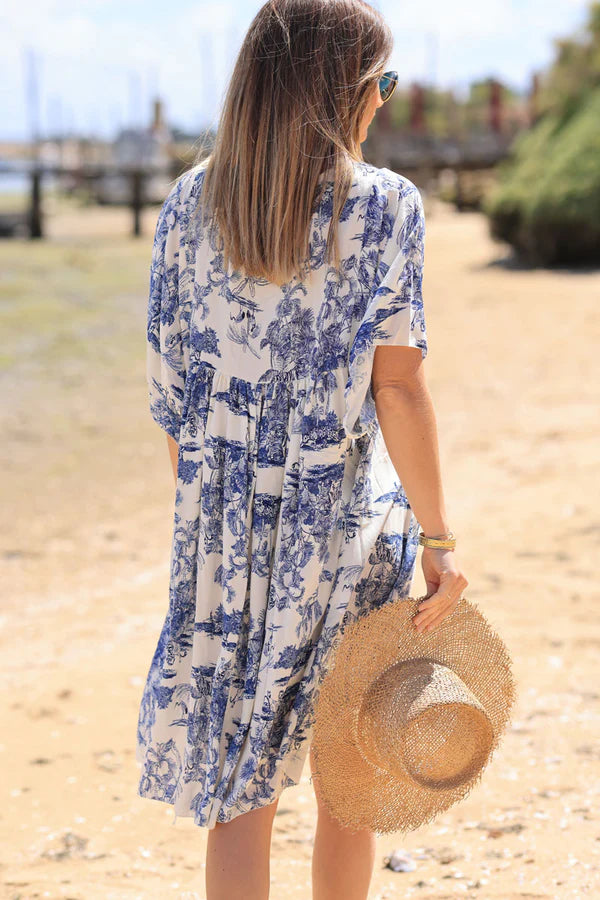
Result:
pixel 446 543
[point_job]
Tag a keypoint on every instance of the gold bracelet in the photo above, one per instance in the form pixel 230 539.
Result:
pixel 447 543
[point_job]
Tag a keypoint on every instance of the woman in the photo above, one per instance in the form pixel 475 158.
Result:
pixel 279 264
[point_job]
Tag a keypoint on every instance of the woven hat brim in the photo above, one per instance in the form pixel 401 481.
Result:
pixel 358 793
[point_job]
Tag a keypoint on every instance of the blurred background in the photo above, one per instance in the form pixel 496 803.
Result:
pixel 497 120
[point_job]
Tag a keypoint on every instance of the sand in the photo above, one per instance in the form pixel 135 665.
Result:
pixel 88 492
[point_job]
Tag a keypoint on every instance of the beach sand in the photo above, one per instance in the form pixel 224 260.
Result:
pixel 88 492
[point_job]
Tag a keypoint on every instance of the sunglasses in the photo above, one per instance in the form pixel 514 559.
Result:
pixel 387 85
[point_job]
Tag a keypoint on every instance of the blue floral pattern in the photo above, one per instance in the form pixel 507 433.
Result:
pixel 289 517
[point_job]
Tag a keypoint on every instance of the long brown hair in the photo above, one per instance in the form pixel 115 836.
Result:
pixel 293 109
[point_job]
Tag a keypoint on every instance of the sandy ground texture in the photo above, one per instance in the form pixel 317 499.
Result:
pixel 88 494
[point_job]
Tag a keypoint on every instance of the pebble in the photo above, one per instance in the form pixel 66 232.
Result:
pixel 400 861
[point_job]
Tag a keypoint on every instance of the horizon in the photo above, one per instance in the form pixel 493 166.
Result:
pixel 110 68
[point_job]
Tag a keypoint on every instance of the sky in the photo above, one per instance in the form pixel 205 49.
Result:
pixel 93 66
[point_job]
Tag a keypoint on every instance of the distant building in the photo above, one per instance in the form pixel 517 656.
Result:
pixel 148 148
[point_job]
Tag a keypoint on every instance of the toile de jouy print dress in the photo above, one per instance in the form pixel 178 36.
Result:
pixel 289 518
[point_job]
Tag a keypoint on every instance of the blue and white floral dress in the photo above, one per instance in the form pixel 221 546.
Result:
pixel 289 517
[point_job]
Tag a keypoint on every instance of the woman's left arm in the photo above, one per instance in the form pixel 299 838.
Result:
pixel 173 452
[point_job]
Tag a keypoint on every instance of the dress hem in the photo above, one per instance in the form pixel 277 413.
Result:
pixel 236 810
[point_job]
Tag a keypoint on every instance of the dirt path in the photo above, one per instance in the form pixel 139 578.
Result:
pixel 512 367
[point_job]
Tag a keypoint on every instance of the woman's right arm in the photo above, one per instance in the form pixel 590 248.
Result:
pixel 408 425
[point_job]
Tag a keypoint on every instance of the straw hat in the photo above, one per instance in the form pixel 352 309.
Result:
pixel 405 722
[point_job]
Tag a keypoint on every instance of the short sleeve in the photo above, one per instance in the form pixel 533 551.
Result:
pixel 394 314
pixel 167 332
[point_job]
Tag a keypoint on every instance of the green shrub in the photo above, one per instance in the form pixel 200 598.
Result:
pixel 547 202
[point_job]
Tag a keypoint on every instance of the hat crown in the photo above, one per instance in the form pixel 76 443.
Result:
pixel 418 717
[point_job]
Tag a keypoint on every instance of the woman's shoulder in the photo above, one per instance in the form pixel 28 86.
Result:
pixel 389 190
pixel 186 185
pixel 366 177
pixel 369 177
